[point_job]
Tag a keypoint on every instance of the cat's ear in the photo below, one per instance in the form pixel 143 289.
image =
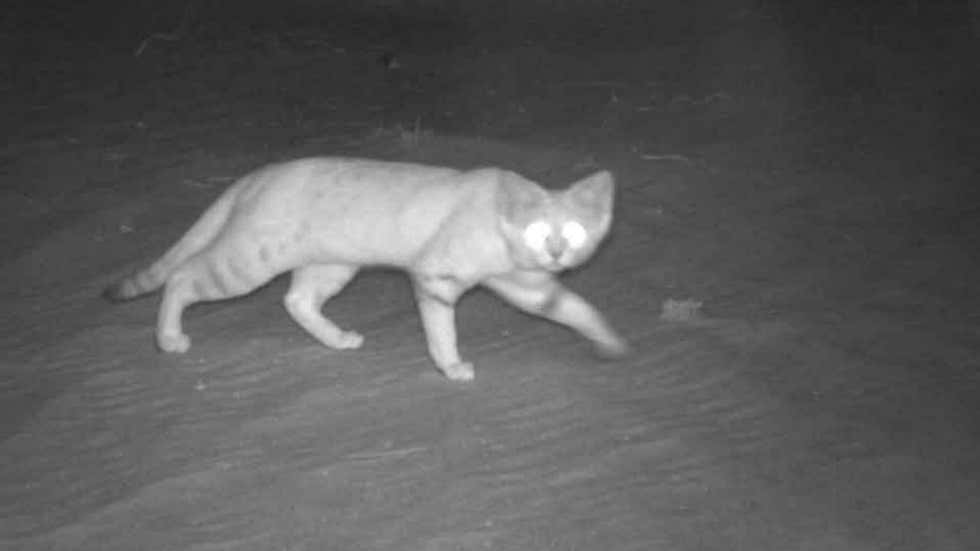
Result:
pixel 594 192
pixel 518 197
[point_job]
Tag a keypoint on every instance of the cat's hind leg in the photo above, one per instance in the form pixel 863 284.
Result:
pixel 170 336
pixel 312 286
pixel 207 276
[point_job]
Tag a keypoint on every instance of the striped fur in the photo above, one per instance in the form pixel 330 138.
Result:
pixel 325 218
pixel 193 241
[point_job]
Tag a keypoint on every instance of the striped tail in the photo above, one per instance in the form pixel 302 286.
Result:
pixel 195 240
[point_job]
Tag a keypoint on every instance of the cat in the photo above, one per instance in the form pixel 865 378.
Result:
pixel 325 218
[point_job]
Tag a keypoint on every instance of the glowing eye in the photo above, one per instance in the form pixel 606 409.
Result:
pixel 536 234
pixel 574 234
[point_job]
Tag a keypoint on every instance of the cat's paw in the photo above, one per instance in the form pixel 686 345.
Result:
pixel 612 349
pixel 348 340
pixel 174 343
pixel 462 371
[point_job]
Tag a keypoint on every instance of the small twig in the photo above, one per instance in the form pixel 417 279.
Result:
pixel 667 157
pixel 595 84
pixel 710 98
pixel 172 36
pixel 680 310
pixel 385 454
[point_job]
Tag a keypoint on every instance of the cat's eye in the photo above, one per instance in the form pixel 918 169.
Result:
pixel 536 234
pixel 574 234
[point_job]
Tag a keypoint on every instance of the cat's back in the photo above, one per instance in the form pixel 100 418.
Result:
pixel 384 211
pixel 386 188
pixel 339 185
pixel 352 171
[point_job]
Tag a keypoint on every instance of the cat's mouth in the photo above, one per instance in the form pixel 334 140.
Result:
pixel 554 265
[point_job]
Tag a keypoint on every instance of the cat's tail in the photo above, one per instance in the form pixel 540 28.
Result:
pixel 199 236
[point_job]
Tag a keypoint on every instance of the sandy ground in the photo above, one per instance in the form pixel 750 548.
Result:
pixel 821 207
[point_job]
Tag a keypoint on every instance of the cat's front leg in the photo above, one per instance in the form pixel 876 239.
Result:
pixel 541 294
pixel 436 297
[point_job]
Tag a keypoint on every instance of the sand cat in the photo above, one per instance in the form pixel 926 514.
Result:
pixel 325 218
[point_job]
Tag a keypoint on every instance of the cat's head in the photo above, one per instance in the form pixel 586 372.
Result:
pixel 555 230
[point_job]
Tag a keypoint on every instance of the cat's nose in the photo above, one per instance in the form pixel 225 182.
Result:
pixel 554 248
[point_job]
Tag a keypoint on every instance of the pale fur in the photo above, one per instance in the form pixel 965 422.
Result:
pixel 325 218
